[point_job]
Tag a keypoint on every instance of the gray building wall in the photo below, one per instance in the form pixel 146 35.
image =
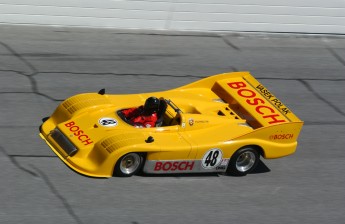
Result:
pixel 306 16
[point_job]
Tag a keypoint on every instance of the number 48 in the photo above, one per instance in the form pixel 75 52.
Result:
pixel 213 157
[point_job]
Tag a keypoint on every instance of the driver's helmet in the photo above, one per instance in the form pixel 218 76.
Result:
pixel 151 105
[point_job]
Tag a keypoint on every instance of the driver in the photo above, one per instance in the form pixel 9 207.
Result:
pixel 143 116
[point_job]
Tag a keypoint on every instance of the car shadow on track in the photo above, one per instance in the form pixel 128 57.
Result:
pixel 261 168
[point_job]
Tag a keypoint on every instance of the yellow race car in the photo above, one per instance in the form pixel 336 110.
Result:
pixel 222 123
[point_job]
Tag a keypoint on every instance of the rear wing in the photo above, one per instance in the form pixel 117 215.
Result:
pixel 252 101
pixel 248 98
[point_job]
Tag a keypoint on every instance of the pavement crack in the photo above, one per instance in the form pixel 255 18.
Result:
pixel 336 55
pixel 17 164
pixel 48 97
pixel 33 83
pixel 55 192
pixel 36 93
pixel 32 156
pixel 125 74
pixel 184 76
pixel 22 59
pixel 16 92
pixel 230 44
pixel 318 96
pixel 14 71
pixel 324 123
pixel 18 126
pixel 298 79
pixel 171 34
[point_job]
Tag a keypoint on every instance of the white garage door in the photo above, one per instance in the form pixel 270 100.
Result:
pixel 306 16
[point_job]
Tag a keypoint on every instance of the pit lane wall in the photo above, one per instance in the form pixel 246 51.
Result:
pixel 307 16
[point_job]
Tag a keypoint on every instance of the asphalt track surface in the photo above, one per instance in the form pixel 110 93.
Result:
pixel 39 67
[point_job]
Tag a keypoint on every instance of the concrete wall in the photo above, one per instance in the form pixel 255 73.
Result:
pixel 306 16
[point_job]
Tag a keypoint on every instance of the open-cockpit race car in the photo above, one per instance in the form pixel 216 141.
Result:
pixel 222 123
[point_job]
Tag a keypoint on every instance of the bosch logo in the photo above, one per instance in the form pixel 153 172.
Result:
pixel 261 108
pixel 281 137
pixel 80 134
pixel 174 166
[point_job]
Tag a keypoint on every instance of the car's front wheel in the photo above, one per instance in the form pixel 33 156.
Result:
pixel 243 161
pixel 129 164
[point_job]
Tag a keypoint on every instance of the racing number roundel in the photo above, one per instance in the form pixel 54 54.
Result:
pixel 107 122
pixel 212 159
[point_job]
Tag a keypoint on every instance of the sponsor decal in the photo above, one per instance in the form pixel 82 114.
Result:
pixel 202 121
pixel 184 166
pixel 274 100
pixel 223 165
pixel 266 111
pixel 108 122
pixel 220 167
pixel 191 121
pixel 80 134
pixel 281 136
pixel 224 162
pixel 174 166
pixel 212 158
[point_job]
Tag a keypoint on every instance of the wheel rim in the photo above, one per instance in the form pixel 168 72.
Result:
pixel 130 163
pixel 245 161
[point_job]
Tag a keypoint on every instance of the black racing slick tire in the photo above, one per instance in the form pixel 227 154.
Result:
pixel 129 165
pixel 243 161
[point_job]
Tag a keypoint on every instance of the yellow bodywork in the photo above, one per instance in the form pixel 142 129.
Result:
pixel 225 112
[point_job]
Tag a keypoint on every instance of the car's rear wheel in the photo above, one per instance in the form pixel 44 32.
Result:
pixel 129 164
pixel 243 161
